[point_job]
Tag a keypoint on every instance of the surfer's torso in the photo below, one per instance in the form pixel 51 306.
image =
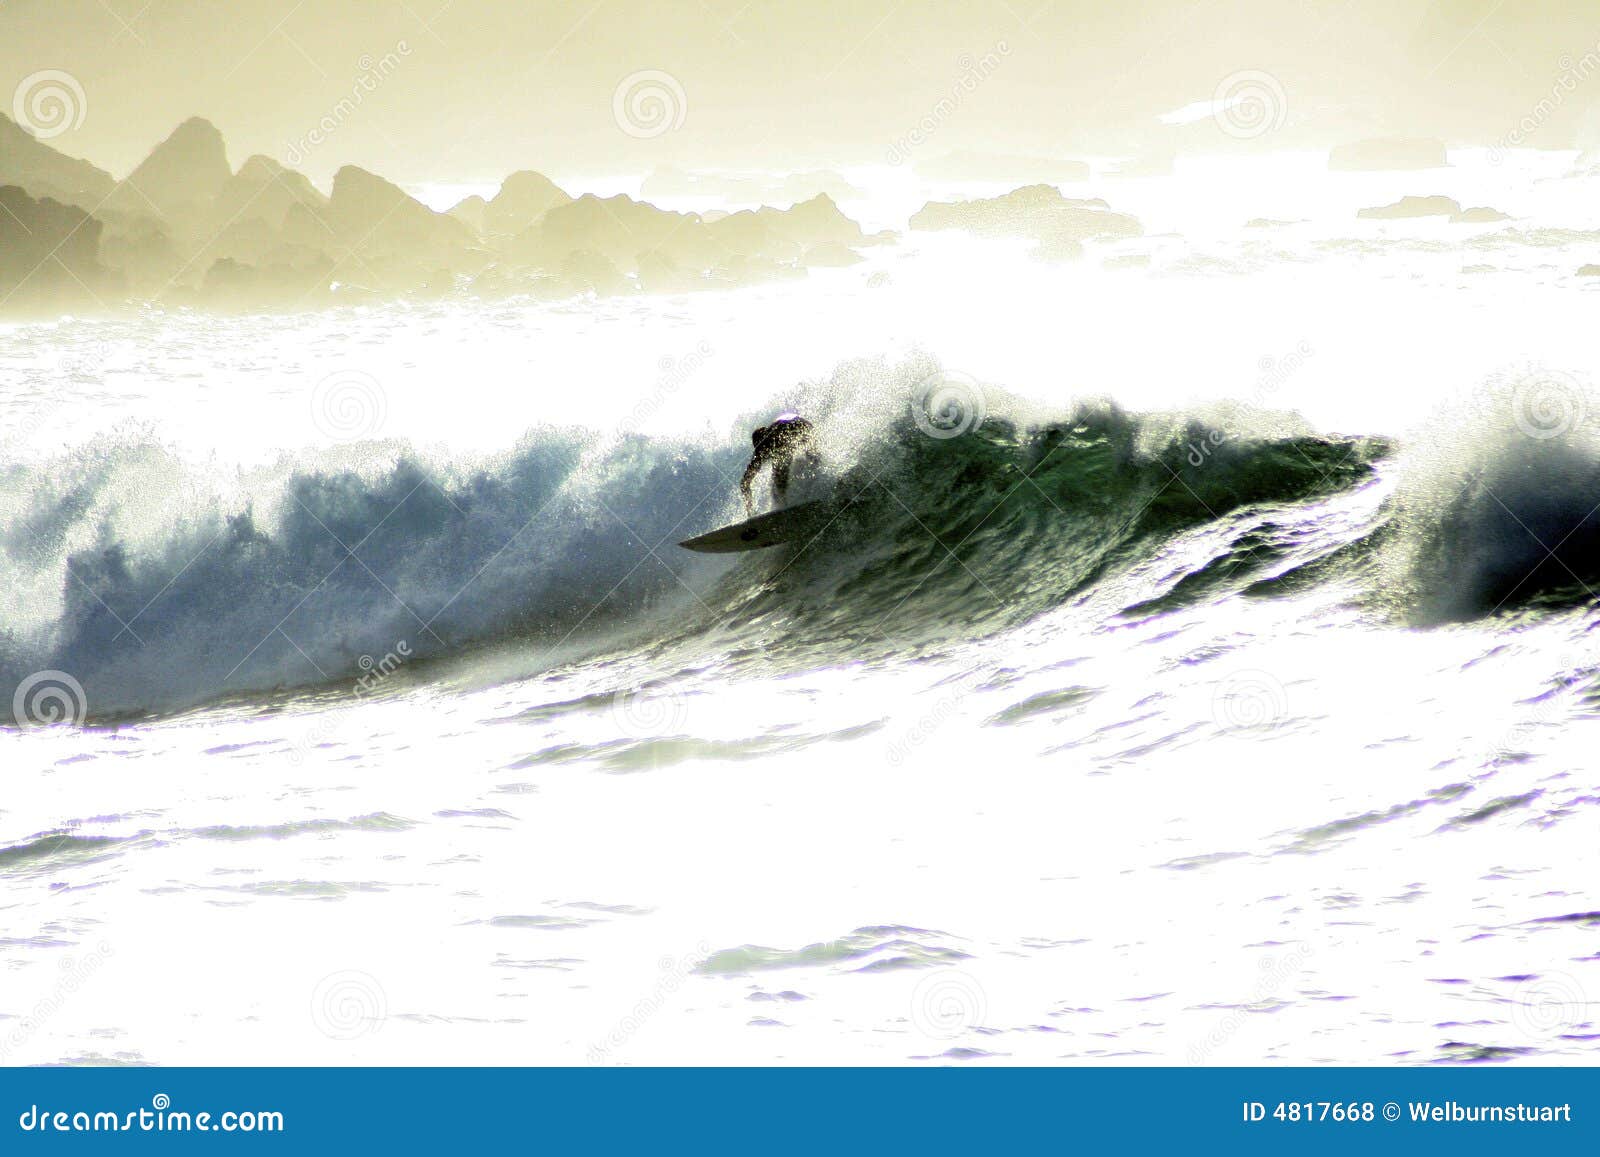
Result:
pixel 777 442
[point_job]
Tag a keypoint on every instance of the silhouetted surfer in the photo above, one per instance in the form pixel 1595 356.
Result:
pixel 788 435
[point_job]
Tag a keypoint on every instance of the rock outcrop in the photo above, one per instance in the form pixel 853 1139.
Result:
pixel 184 227
pixel 469 211
pixel 1479 215
pixel 1060 224
pixel 264 190
pixel 378 225
pixel 1413 207
pixel 180 179
pixel 524 198
pixel 49 251
pixel 42 171
pixel 666 251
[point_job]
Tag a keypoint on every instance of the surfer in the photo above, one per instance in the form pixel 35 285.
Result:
pixel 786 436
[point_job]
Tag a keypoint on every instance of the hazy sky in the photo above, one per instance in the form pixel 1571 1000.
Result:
pixel 478 88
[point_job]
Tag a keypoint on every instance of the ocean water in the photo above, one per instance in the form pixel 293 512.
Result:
pixel 1200 667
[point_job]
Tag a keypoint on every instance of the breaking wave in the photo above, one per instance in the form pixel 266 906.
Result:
pixel 156 584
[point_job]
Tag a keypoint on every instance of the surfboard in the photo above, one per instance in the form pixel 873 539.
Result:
pixel 763 530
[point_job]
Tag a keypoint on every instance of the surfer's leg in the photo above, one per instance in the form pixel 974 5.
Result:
pixel 780 476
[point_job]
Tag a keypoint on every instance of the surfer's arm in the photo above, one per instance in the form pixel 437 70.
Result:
pixel 747 483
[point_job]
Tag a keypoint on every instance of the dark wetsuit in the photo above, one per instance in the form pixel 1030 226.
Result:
pixel 777 443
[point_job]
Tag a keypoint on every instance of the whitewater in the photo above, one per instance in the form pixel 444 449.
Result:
pixel 1199 667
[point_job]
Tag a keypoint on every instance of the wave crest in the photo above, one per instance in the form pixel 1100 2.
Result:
pixel 158 585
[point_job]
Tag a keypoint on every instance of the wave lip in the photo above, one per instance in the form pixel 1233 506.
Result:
pixel 327 576
pixel 1498 507
pixel 49 852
